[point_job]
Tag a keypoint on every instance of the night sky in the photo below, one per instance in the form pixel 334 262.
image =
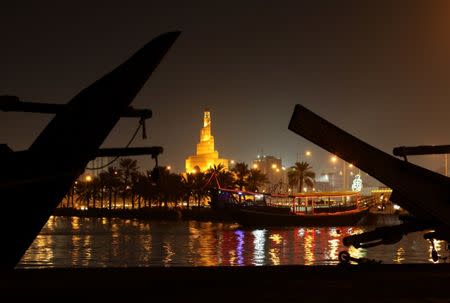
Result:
pixel 381 72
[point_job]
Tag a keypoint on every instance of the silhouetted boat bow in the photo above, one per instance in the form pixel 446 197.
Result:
pixel 423 193
pixel 33 182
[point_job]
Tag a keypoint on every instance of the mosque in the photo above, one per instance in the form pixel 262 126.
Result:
pixel 206 156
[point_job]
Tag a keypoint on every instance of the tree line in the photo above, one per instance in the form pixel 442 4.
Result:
pixel 125 186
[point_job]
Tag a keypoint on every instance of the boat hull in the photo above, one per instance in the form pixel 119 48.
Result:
pixel 251 217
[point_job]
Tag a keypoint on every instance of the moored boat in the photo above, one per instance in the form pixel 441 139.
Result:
pixel 256 217
pixel 306 209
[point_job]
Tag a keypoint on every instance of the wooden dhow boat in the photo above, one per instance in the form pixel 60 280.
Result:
pixel 305 209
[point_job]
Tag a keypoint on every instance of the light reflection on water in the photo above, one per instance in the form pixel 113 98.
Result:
pixel 100 242
pixel 258 244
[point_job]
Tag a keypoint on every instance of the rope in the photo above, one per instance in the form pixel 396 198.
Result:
pixel 213 175
pixel 117 157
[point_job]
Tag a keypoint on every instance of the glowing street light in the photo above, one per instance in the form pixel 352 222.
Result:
pixel 308 153
pixel 169 167
pixel 255 166
pixel 88 178
pixel 274 166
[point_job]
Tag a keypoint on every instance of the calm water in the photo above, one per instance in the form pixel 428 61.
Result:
pixel 92 242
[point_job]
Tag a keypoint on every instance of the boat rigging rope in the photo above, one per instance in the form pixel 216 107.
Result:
pixel 141 124
pixel 213 175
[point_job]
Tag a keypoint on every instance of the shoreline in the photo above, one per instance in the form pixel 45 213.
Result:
pixel 201 214
pixel 154 213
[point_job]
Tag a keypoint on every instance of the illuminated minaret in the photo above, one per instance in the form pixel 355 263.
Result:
pixel 206 155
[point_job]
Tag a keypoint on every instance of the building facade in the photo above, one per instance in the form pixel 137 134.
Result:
pixel 205 156
pixel 276 174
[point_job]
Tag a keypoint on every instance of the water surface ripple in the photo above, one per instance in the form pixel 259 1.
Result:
pixel 102 242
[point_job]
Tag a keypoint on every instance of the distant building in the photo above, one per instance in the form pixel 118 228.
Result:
pixel 272 167
pixel 325 182
pixel 206 156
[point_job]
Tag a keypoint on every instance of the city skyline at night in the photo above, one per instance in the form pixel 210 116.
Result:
pixel 232 151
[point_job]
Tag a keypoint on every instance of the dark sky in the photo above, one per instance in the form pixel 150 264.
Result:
pixel 379 70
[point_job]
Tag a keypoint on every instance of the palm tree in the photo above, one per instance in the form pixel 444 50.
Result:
pixel 301 174
pixel 217 172
pixel 168 187
pixel 200 190
pixel 69 197
pixel 177 188
pixel 88 190
pixel 128 168
pixel 110 180
pixel 188 181
pixel 142 188
pixel 241 173
pixel 152 192
pixel 256 179
pixel 134 179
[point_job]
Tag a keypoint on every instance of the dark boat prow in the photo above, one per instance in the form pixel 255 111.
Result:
pixel 33 182
pixel 424 193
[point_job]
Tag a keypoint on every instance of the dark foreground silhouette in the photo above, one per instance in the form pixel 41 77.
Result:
pixel 424 193
pixel 364 283
pixel 33 182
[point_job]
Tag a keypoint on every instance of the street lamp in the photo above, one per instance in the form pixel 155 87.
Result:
pixel 308 153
